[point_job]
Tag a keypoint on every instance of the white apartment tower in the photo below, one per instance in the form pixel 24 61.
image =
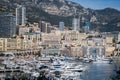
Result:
pixel 76 24
pixel 61 26
pixel 20 15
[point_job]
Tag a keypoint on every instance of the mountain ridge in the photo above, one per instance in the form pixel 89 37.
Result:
pixel 62 10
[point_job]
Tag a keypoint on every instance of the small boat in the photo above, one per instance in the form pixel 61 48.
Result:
pixel 27 69
pixel 69 75
pixel 86 60
pixel 2 67
pixel 35 74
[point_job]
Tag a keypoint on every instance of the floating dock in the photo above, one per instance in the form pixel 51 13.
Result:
pixel 10 70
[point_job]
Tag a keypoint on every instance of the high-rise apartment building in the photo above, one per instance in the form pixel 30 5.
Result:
pixel 7 26
pixel 76 24
pixel 87 27
pixel 20 15
pixel 61 26
pixel 45 27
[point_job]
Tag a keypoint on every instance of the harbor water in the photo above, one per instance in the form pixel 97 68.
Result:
pixel 98 71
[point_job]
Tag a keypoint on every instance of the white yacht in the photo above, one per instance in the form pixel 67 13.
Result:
pixel 68 75
pixel 2 67
pixel 104 60
pixel 35 74
pixel 74 67
pixel 101 59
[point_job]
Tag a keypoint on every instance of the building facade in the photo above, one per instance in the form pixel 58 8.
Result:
pixel 7 26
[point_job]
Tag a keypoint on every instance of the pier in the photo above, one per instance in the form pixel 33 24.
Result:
pixel 10 70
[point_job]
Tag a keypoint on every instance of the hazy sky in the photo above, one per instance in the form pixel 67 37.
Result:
pixel 99 4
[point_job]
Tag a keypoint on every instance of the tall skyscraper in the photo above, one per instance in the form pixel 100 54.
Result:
pixel 20 15
pixel 61 26
pixel 76 24
pixel 87 27
pixel 7 26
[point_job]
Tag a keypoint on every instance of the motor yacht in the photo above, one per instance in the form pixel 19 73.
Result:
pixel 102 60
pixel 35 74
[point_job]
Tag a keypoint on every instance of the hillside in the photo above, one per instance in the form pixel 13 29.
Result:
pixel 54 11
